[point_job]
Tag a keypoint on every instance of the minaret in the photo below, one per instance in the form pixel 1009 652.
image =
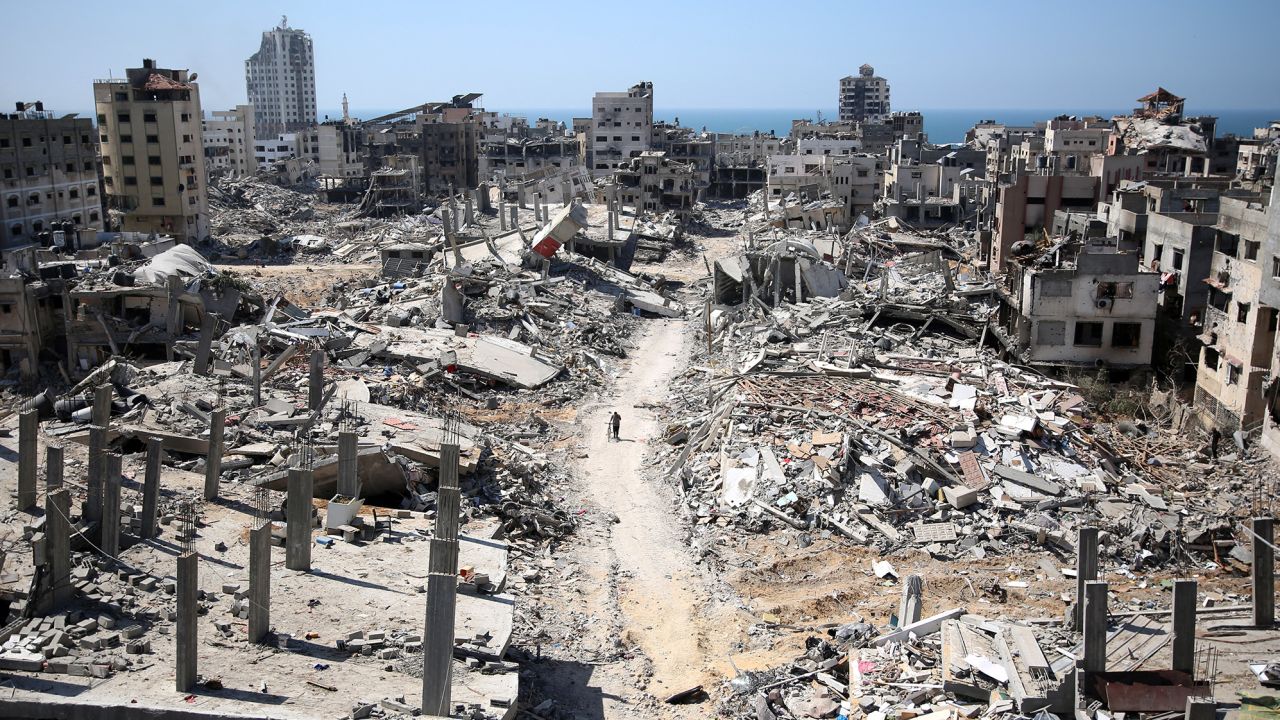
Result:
pixel 346 116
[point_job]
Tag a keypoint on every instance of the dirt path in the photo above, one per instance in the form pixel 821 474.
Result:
pixel 628 616
pixel 652 621
pixel 659 587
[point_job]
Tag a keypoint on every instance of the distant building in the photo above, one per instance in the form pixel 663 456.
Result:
pixel 48 174
pixel 280 147
pixel 621 127
pixel 228 142
pixel 655 183
pixel 864 97
pixel 152 152
pixel 450 149
pixel 280 80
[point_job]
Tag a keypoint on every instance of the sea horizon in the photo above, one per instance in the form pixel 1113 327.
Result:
pixel 941 125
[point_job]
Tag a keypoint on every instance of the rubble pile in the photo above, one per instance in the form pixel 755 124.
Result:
pixel 250 206
pixel 877 416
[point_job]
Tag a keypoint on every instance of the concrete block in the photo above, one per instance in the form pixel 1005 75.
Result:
pixel 960 497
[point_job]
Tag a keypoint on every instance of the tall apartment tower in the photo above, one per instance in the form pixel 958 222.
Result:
pixel 48 174
pixel 864 98
pixel 621 127
pixel 153 151
pixel 281 82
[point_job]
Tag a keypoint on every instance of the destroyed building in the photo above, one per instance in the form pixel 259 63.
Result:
pixel 1241 317
pixel 229 143
pixel 48 174
pixel 656 183
pixel 153 152
pixel 621 127
pixel 1081 302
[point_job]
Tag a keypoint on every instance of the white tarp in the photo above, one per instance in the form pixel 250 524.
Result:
pixel 181 260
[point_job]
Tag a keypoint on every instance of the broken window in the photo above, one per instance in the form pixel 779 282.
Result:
pixel 1051 332
pixel 1088 334
pixel 1211 358
pixel 1126 335
pixel 1275 267
pixel 1114 290
pixel 1233 374
pixel 1251 249
pixel 1228 244
pixel 1177 259
pixel 1242 312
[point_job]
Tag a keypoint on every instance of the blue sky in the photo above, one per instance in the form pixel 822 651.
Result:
pixel 744 54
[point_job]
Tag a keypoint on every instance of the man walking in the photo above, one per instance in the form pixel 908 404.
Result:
pixel 615 422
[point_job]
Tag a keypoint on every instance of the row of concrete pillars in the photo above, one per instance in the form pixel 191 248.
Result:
pixel 1090 617
pixel 103 505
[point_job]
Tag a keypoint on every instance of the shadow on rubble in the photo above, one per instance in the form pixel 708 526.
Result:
pixel 353 581
pixel 41 685
pixel 172 550
pixel 252 696
pixel 8 455
pixel 302 646
pixel 568 683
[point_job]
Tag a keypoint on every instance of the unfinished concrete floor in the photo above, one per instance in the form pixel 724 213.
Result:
pixel 351 587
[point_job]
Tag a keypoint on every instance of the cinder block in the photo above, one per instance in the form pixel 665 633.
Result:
pixel 960 497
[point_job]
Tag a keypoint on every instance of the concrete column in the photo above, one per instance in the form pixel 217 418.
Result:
pixel 537 206
pixel 28 448
pixel 1264 578
pixel 315 386
pixel 520 196
pixel 297 555
pixel 611 224
pixel 213 461
pixel 1184 626
pixel 1095 632
pixel 102 405
pixel 912 598
pixel 502 212
pixel 468 209
pixel 1201 708
pixel 57 533
pixel 185 637
pixel 515 216
pixel 97 448
pixel 151 487
pixel 256 370
pixel 204 348
pixel 173 322
pixel 259 582
pixel 53 467
pixel 437 645
pixel 110 544
pixel 348 465
pixel 442 589
pixel 1086 568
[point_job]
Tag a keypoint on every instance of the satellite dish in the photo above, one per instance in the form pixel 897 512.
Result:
pixel 193 77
